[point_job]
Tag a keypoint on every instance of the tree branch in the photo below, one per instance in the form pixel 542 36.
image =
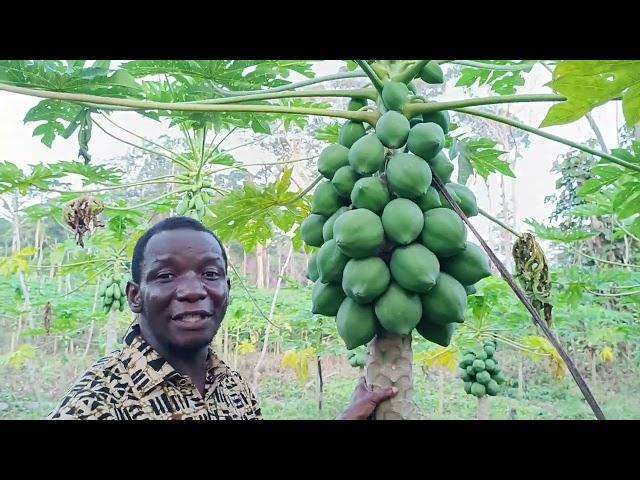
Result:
pixel 359 116
pixel 537 131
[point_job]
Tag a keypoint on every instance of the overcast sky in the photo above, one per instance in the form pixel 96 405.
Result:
pixel 534 179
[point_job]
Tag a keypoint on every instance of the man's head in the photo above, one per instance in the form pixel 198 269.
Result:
pixel 180 286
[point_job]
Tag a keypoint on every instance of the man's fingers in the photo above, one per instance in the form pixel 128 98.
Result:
pixel 383 394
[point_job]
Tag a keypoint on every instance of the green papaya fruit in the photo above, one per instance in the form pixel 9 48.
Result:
pixel 331 159
pixel 356 323
pixel 350 132
pixel 446 302
pixel 429 200
pixel 366 155
pixel 358 233
pixel 395 95
pixel 402 221
pixel 344 180
pixel 438 334
pixel 426 140
pixel 330 262
pixel 432 73
pixel 392 129
pixel 312 270
pixel 326 299
pixel 370 193
pixel 441 166
pixel 467 200
pixel 311 230
pixel 365 279
pixel 356 104
pixel 327 228
pixel 444 232
pixel 398 310
pixel 414 267
pixel 441 117
pixel 408 175
pixel 325 200
pixel 469 266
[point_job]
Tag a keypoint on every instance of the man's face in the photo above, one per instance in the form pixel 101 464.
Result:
pixel 184 291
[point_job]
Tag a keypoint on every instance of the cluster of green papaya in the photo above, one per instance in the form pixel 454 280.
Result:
pixel 193 204
pixel 392 254
pixel 357 358
pixel 114 293
pixel 480 371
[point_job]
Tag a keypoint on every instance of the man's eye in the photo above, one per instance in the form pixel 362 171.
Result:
pixel 165 276
pixel 211 275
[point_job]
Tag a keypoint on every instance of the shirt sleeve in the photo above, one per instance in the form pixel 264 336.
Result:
pixel 83 405
pixel 84 402
pixel 253 410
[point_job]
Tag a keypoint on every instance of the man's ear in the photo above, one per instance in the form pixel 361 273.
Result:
pixel 133 297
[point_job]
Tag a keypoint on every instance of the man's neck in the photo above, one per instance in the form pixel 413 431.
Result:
pixel 190 363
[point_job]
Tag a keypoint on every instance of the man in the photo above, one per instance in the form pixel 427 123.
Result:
pixel 180 290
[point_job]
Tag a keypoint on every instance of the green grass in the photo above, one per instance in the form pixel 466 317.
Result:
pixel 283 398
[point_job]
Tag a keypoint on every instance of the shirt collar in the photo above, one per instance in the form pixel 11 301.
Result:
pixel 148 369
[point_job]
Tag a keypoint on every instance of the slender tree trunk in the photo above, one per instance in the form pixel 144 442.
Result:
pixel 17 246
pixel 520 380
pixel 257 369
pixel 89 338
pixel 320 382
pixel 267 261
pixel 244 264
pixel 594 373
pixel 112 331
pixel 226 345
pixel 235 349
pixel 259 267
pixel 440 393
pixel 218 341
pixel 279 255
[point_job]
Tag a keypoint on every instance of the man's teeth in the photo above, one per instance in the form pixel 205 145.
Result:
pixel 191 318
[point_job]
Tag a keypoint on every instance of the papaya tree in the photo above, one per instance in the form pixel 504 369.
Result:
pixel 384 182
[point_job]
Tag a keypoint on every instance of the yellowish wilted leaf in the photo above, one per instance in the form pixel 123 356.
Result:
pixel 443 358
pixel 607 354
pixel 18 358
pixel 299 362
pixel 541 347
pixel 27 251
pixel 246 347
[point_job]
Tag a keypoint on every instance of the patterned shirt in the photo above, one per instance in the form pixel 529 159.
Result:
pixel 136 383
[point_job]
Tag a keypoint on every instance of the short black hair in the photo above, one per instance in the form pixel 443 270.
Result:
pixel 171 223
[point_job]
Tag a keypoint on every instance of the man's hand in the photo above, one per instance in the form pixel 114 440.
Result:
pixel 365 401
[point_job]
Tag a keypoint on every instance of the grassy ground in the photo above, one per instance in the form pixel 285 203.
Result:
pixel 283 397
pixel 33 390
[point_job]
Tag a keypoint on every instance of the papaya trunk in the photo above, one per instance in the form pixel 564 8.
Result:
pixel 483 408
pixel 390 364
